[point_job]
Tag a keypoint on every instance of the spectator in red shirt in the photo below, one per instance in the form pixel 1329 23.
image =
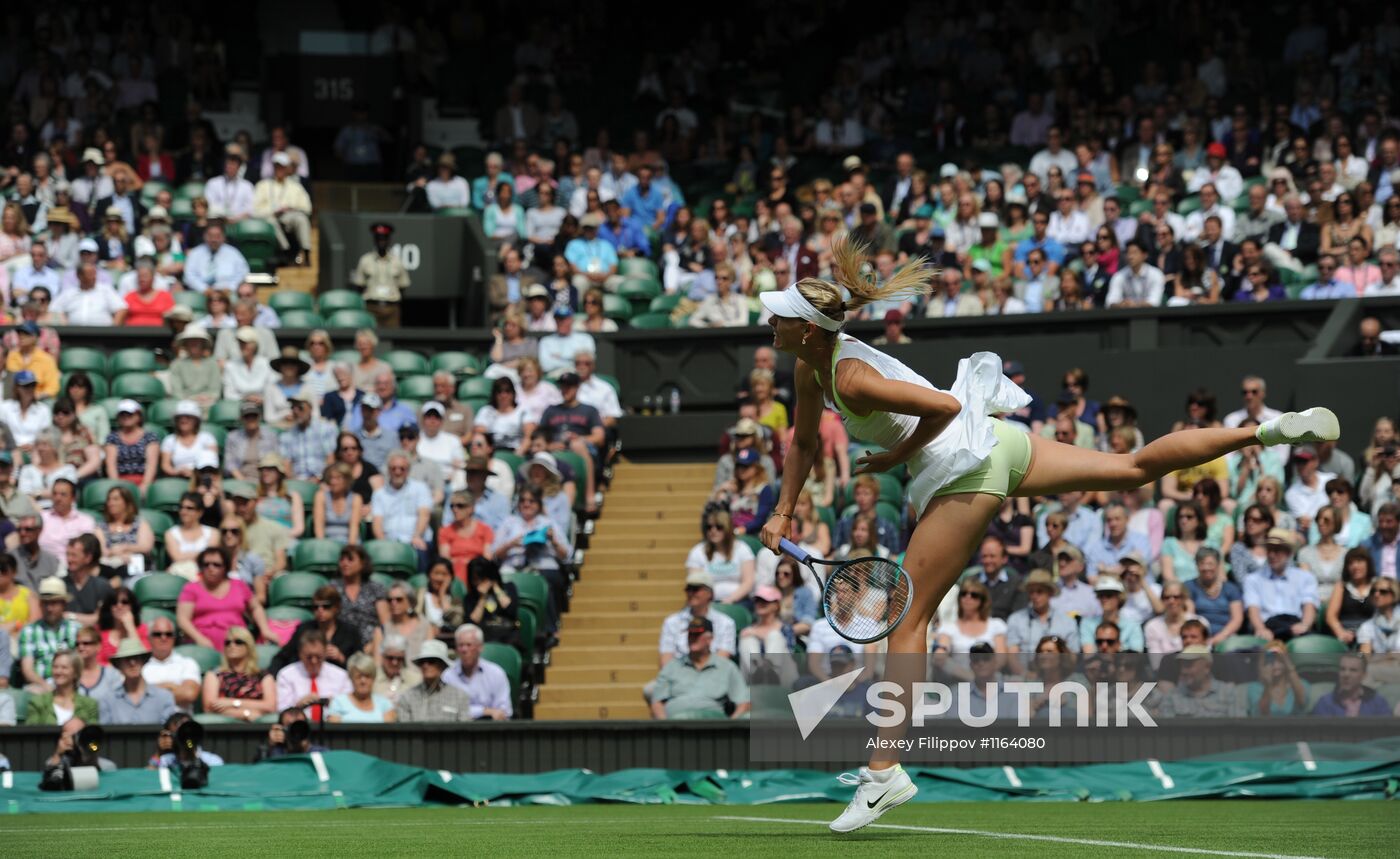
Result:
pixel 146 305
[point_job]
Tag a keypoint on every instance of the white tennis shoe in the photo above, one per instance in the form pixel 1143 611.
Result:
pixel 874 796
pixel 1313 425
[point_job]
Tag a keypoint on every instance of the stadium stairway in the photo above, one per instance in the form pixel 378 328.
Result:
pixel 634 576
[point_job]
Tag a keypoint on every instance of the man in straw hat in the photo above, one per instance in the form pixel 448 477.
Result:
pixel 137 702
pixel 228 193
pixel 1281 603
pixel 195 375
pixel 47 635
pixel 1027 626
pixel 434 700
pixel 283 200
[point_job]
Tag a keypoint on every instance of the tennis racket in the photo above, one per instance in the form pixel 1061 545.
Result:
pixel 863 599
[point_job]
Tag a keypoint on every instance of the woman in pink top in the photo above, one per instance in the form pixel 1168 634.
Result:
pixel 1355 270
pixel 213 604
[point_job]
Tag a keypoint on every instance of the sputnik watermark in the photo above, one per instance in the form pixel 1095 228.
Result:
pixel 979 705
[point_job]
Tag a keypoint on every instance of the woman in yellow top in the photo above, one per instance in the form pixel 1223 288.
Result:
pixel 771 413
pixel 18 604
pixel 962 462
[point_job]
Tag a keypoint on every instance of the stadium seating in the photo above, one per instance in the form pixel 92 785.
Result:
pixel 406 363
pixel 508 658
pixel 139 386
pixel 416 387
pixel 350 319
pixel 159 590
pixel 474 386
pixel 225 413
pixel 297 318
pixel 83 358
pixel 164 493
pixel 396 559
pixel 257 240
pixel 316 556
pixel 292 613
pixel 306 490
pixel 285 300
pixel 125 361
pixel 295 589
pixel 339 299
pixel 741 616
pixel 207 658
pixel 457 363
pixel 94 494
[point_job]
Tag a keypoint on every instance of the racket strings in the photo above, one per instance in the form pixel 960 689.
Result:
pixel 867 598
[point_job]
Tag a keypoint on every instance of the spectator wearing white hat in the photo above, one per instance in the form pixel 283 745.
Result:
pixel 180 451
pixel 194 374
pixel 699 597
pixel 230 196
pixel 92 302
pixel 594 260
pixel 283 200
pixel 214 263
pixel 248 376
pixel 93 184
pixel 1281 600
pixel 990 247
pixel 433 699
pixel 436 444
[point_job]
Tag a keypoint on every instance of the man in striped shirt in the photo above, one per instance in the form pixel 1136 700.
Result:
pixel 52 632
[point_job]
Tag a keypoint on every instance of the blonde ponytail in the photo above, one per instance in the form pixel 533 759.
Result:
pixel 848 269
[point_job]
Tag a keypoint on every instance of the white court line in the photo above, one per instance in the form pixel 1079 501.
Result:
pixel 1054 839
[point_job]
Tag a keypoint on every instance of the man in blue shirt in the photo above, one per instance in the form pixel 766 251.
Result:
pixel 401 508
pixel 593 259
pixel 622 233
pixel 646 201
pixel 1327 285
pixel 1282 601
pixel 1054 251
pixel 1101 556
pixel 1349 698
pixel 392 413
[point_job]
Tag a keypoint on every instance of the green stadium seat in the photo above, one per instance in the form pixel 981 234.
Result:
pixel 306 489
pixel 457 363
pixel 475 386
pixel 1190 203
pixel 384 580
pixel 164 494
pixel 150 188
pixel 647 321
pixel 296 614
pixel 617 308
pixel 611 382
pixel 131 361
pixel 266 653
pixel 285 300
pixel 476 404
pixel 753 543
pixel 94 493
pixel 406 363
pixel 396 559
pixel 162 412
pixel 346 356
pixel 242 485
pixel 1137 207
pixel 416 387
pixel 664 303
pixel 508 658
pixel 21 702
pixel 339 299
pixel 139 386
pixel 301 319
pixel 511 460
pixel 220 434
pixel 207 658
pixel 101 388
pixel 159 590
pixel 1239 643
pixel 195 301
pixel 580 474
pixel 737 613
pixel 150 614
pixel 637 266
pixel 224 413
pixel 256 239
pixel 84 358
pixel 639 290
pixel 350 319
pixel 317 556
pixel 455 212
pixel 295 589
pixel 705 715
pixel 529 624
pixel 532 587
pixel 181 210
pixel 189 191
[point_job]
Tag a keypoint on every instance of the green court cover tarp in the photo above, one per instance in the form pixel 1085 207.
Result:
pixel 351 780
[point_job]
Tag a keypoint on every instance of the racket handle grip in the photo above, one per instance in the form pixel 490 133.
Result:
pixel 794 550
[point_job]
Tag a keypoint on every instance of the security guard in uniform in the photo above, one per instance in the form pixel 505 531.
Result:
pixel 382 277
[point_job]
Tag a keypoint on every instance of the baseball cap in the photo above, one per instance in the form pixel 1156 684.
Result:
pixel 988 221
pixel 247 334
pixel 893 315
pixel 249 407
pixel 408 431
pixel 29 326
pixel 479 464
pixel 282 159
pixel 1216 150
pixel 206 459
pixel 925 211
pixel 188 409
pixel 699 579
pixel 546 461
pixel 699 626
pixel 948 170
pixel 536 290
pixel 562 311
pixel 937 233
pixel 302 396
pixel 747 456
pixel 128 407
pixel 868 209
pixel 372 401
pixel 982 266
pixel 1013 368
pixel 1133 558
pixel 433 406
pixel 1108 584
pixel 746 426
pixel 87 246
pixel 851 162
pixel 26 377
pixel 569 380
pixel 1072 551
pixel 592 219
pixel 1305 452
pixel 1085 176
pixel 768 593
pixel 240 489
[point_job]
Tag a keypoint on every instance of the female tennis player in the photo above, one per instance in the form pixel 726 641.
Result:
pixel 962 462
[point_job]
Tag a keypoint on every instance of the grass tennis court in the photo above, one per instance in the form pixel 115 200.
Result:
pixel 1058 829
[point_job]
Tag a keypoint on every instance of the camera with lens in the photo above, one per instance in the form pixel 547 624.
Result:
pixel 76 768
pixel 194 772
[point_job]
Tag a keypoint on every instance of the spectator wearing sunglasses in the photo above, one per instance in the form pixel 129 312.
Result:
pixel 166 669
pixel 396 672
pixel 238 688
pixel 118 618
pixel 341 639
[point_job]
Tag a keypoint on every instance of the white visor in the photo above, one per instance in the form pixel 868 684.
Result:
pixel 791 304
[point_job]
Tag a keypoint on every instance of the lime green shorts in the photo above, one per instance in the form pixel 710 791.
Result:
pixel 1003 469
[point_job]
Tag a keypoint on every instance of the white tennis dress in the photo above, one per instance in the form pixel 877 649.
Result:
pixel 982 389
